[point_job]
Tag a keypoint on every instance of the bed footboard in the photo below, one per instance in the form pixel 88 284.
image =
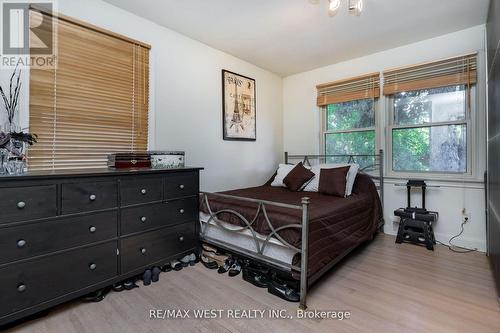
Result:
pixel 261 244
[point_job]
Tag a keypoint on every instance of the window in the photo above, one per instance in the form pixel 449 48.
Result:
pixel 94 103
pixel 430 116
pixel 348 119
pixel 430 130
pixel 350 129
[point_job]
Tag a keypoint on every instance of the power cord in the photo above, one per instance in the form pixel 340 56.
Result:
pixel 456 248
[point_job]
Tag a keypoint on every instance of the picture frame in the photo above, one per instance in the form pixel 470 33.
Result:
pixel 239 121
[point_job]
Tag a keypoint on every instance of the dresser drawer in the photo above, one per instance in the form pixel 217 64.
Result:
pixel 143 218
pixel 27 203
pixel 141 190
pixel 31 283
pixel 146 249
pixel 42 238
pixel 181 185
pixel 89 196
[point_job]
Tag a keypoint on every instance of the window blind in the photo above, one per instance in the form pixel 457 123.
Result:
pixel 447 72
pixel 93 103
pixel 360 87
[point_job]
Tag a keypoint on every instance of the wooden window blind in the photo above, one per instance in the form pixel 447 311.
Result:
pixel 461 70
pixel 93 103
pixel 360 87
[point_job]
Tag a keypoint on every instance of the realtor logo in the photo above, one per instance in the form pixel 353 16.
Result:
pixel 28 36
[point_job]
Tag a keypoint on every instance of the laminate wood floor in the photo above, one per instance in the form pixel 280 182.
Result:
pixel 386 287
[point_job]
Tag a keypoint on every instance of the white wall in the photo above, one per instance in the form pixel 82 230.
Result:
pixel 301 120
pixel 186 99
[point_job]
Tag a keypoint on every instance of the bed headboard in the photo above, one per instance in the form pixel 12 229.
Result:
pixel 372 165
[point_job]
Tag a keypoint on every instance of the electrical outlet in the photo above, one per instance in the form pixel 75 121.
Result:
pixel 466 218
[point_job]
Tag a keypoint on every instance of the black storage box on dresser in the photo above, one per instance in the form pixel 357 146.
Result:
pixel 65 234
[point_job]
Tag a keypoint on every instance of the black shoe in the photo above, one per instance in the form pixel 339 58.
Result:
pixel 256 278
pixel 155 274
pixel 166 268
pixel 146 277
pixel 176 265
pixel 118 287
pixel 235 269
pixel 130 284
pixel 227 265
pixel 96 296
pixel 283 291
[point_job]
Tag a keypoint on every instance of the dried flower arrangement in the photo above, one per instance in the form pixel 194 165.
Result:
pixel 9 138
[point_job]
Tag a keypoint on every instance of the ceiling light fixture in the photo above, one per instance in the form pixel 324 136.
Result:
pixel 355 6
pixel 333 7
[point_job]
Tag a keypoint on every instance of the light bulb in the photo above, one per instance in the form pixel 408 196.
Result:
pixel 334 6
pixel 356 6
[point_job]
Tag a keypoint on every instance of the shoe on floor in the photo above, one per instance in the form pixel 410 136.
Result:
pixel 209 263
pixel 218 257
pixel 166 268
pixel 283 291
pixel 185 261
pixel 130 284
pixel 146 277
pixel 176 265
pixel 193 259
pixel 256 278
pixel 155 274
pixel 118 287
pixel 227 265
pixel 235 269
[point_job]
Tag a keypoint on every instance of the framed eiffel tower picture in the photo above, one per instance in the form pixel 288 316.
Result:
pixel 238 107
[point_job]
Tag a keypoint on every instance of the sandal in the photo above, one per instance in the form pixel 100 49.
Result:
pixel 220 258
pixel 209 263
pixel 227 265
pixel 235 269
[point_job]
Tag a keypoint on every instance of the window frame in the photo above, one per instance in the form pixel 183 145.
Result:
pixel 469 122
pixel 324 131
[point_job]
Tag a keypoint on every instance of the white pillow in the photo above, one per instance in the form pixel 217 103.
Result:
pixel 283 170
pixel 313 185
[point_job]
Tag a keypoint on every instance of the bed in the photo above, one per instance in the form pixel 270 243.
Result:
pixel 303 233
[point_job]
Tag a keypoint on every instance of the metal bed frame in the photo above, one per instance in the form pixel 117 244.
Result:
pixel 374 170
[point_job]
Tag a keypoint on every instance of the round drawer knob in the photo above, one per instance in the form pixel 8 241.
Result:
pixel 143 191
pixel 181 211
pixel 21 204
pixel 21 288
pixel 143 250
pixel 143 219
pixel 181 239
pixel 21 243
pixel 92 229
pixel 181 186
pixel 92 197
pixel 92 267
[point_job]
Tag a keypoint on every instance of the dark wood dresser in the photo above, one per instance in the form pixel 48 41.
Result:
pixel 65 234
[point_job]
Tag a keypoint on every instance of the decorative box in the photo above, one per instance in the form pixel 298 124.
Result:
pixel 129 160
pixel 167 159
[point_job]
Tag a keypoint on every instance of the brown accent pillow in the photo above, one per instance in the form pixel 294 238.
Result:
pixel 333 181
pixel 297 177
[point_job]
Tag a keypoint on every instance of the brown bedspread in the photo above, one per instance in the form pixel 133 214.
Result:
pixel 335 224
